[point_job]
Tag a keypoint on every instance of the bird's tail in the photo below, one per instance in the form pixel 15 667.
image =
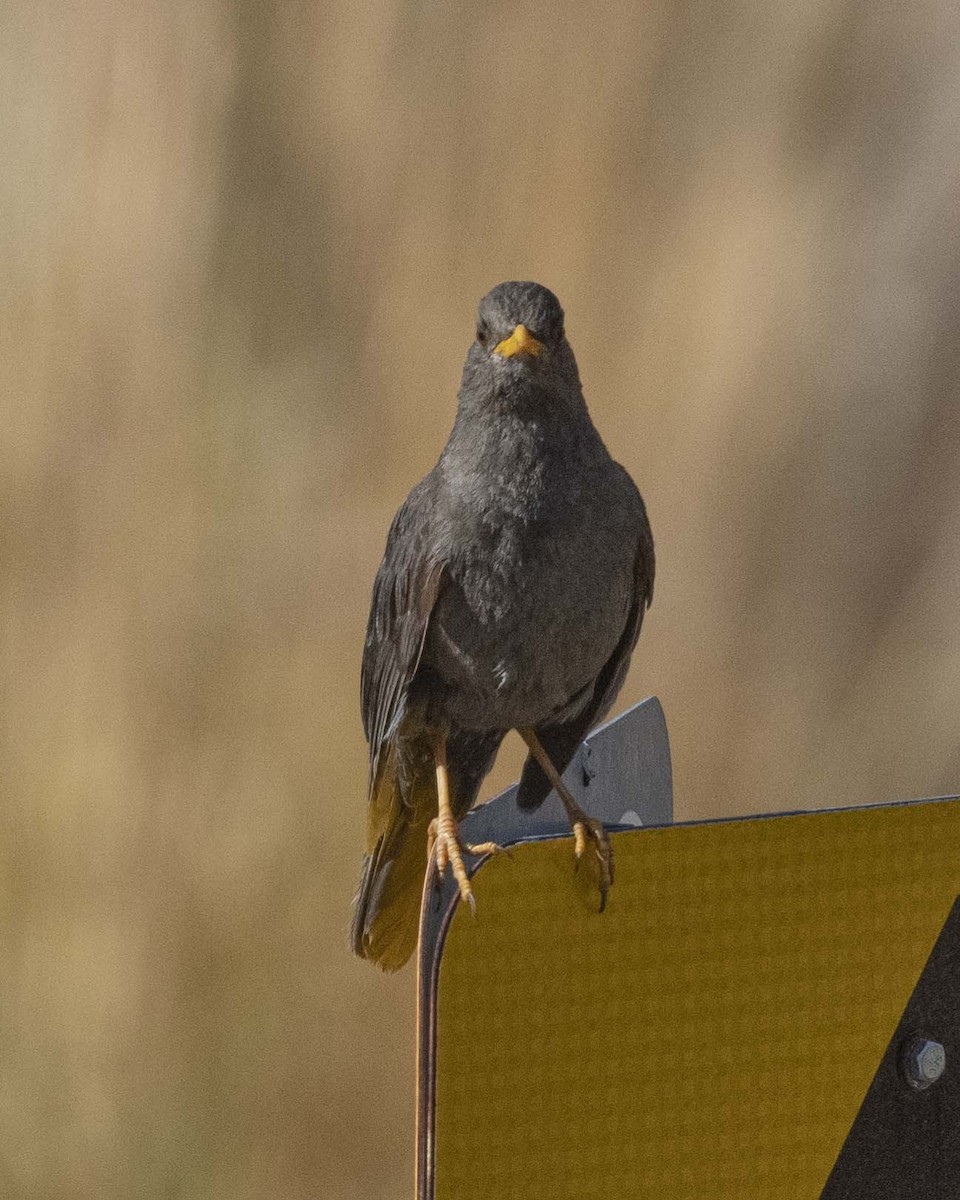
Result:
pixel 386 910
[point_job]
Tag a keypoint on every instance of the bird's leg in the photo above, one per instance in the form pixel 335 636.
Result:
pixel 585 829
pixel 443 836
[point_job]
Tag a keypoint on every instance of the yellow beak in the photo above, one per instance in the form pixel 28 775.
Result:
pixel 521 341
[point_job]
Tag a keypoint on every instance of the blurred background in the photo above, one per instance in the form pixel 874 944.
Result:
pixel 241 246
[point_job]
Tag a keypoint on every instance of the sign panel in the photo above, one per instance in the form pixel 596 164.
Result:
pixel 714 1033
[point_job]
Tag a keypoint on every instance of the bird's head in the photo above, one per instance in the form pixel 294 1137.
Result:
pixel 520 338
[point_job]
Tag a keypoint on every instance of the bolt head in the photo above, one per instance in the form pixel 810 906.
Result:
pixel 924 1061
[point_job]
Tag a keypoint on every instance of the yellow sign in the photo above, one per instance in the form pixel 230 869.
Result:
pixel 711 1036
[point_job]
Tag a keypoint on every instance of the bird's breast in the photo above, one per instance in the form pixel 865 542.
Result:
pixel 530 614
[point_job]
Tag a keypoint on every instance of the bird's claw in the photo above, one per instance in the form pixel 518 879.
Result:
pixel 585 830
pixel 491 848
pixel 445 846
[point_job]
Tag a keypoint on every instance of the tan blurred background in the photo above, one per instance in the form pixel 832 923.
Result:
pixel 242 244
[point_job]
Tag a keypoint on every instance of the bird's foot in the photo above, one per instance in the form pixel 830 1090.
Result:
pixel 443 841
pixel 587 830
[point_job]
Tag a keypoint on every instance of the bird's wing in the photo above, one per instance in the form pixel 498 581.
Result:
pixel 561 740
pixel 611 678
pixel 404 593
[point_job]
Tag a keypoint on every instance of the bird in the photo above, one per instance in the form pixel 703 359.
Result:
pixel 511 593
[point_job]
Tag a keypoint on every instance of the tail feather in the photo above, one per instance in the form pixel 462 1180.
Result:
pixel 403 802
pixel 386 914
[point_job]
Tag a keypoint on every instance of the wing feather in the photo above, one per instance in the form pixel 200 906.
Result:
pixel 404 593
pixel 561 740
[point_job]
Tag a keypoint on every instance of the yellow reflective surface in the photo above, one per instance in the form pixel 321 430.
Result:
pixel 711 1035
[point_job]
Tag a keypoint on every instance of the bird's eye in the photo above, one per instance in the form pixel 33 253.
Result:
pixel 482 334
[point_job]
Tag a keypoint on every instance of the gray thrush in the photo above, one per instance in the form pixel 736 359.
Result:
pixel 510 596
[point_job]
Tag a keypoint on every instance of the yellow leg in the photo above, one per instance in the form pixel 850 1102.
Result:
pixel 443 836
pixel 585 829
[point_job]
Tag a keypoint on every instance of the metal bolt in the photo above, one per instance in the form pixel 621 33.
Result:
pixel 924 1061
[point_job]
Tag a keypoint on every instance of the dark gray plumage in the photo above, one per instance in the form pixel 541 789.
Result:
pixel 510 596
